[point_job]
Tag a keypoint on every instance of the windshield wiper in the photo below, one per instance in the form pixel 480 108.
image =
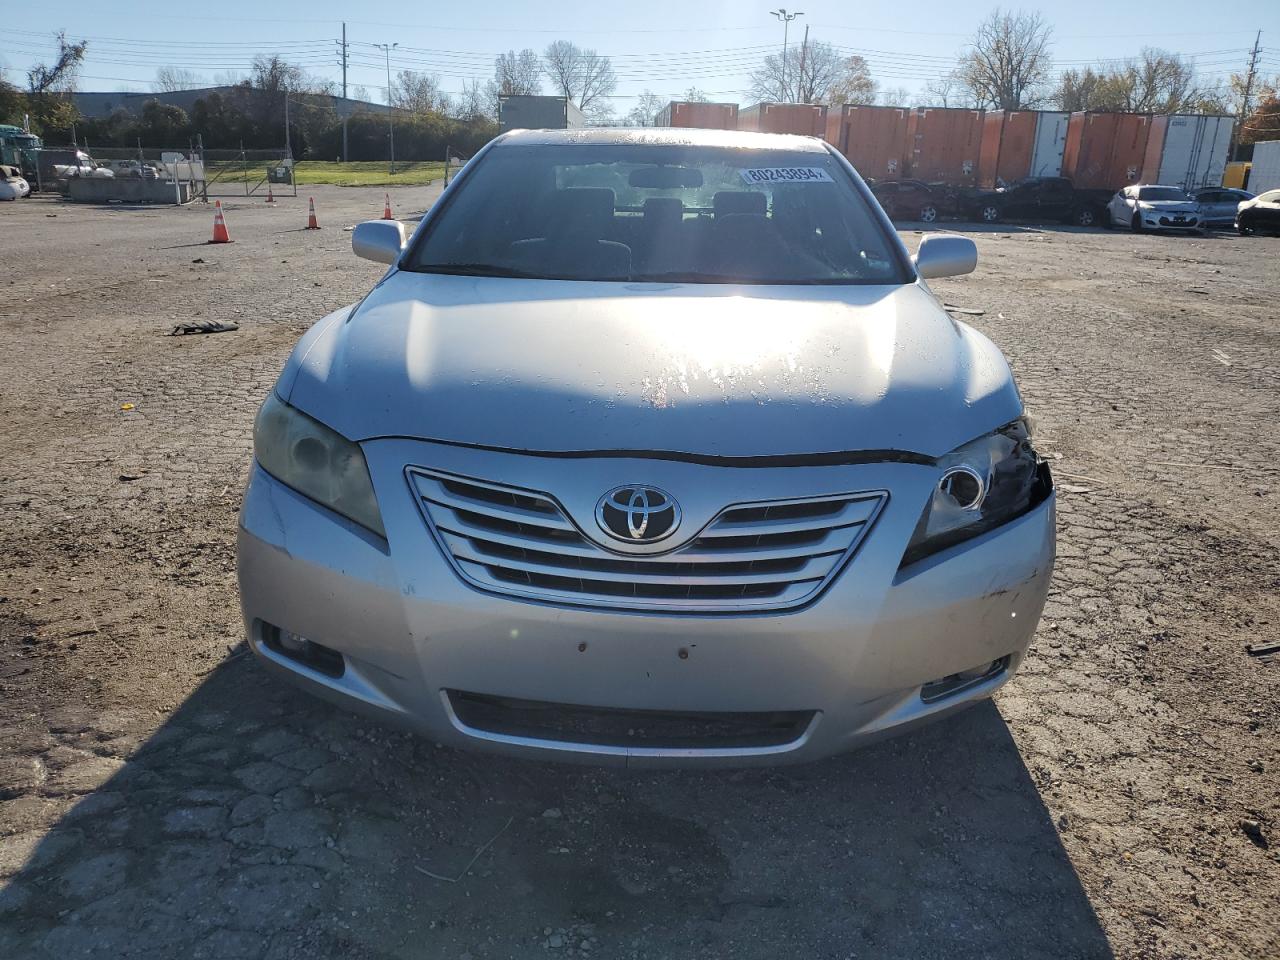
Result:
pixel 475 270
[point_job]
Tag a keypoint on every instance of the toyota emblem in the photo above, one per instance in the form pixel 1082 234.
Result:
pixel 636 514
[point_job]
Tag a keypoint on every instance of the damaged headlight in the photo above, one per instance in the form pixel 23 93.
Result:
pixel 984 483
pixel 319 463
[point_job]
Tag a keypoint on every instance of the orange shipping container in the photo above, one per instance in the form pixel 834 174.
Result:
pixel 873 138
pixel 1104 151
pixel 706 116
pixel 1008 141
pixel 805 119
pixel 944 144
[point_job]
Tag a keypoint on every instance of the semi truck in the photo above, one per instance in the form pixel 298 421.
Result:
pixel 18 148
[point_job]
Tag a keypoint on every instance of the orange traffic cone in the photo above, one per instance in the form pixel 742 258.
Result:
pixel 220 234
pixel 386 210
pixel 271 198
pixel 312 223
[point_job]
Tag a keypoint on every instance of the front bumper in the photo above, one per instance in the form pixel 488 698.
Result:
pixel 410 630
pixel 1160 221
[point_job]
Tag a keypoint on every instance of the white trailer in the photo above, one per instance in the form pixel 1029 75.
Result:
pixel 1265 174
pixel 1187 150
pixel 1051 139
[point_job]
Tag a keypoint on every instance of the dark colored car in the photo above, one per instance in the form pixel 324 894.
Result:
pixel 1039 198
pixel 908 200
pixel 1261 214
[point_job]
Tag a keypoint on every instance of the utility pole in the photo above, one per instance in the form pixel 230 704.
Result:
pixel 1251 75
pixel 345 156
pixel 786 19
pixel 804 49
pixel 288 147
pixel 391 125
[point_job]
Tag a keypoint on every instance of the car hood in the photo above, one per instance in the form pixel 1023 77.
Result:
pixel 696 369
pixel 1170 206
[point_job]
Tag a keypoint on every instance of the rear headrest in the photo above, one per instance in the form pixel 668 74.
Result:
pixel 663 210
pixel 730 202
pixel 582 208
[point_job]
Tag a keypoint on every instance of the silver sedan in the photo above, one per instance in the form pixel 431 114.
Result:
pixel 650 447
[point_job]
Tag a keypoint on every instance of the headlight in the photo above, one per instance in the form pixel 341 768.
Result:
pixel 984 483
pixel 317 462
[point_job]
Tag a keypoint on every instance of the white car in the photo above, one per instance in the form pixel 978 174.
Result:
pixel 650 447
pixel 1153 207
pixel 12 184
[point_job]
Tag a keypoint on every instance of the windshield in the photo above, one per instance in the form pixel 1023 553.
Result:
pixel 657 212
pixel 1162 193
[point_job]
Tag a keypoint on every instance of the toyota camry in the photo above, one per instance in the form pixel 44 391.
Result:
pixel 648 447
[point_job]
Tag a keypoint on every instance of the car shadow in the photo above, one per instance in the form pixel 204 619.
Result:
pixel 260 822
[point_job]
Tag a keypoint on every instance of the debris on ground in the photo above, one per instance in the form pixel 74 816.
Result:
pixel 1253 830
pixel 203 326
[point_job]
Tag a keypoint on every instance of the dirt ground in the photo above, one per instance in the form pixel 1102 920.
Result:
pixel 160 796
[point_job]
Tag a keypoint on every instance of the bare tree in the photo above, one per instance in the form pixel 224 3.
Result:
pixel 894 97
pixel 583 76
pixel 694 95
pixel 59 76
pixel 1007 65
pixel 947 91
pixel 474 103
pixel 418 93
pixel 645 112
pixel 359 92
pixel 813 73
pixel 1156 81
pixel 49 88
pixel 517 74
pixel 169 79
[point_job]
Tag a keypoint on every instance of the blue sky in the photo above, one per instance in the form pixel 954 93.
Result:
pixel 660 45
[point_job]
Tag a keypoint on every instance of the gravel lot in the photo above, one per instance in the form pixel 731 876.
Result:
pixel 161 797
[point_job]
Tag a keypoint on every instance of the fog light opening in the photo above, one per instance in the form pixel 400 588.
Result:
pixel 314 656
pixel 956 683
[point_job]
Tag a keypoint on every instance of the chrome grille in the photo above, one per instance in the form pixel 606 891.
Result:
pixel 754 556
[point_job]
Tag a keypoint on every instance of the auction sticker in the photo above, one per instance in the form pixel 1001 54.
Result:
pixel 786 175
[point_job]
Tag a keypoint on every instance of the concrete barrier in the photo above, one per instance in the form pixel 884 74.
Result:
pixel 127 190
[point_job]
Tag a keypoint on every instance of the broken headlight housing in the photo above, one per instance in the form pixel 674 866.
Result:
pixel 985 483
pixel 316 461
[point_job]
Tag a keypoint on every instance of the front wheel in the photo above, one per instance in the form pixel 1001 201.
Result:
pixel 1136 223
pixel 1243 228
pixel 990 213
pixel 928 213
pixel 1085 218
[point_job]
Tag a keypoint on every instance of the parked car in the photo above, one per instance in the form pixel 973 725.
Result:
pixel 1153 207
pixel 1262 213
pixel 1038 198
pixel 1218 205
pixel 907 200
pixel 13 186
pixel 648 447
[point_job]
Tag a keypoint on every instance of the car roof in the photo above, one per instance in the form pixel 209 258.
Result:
pixel 680 136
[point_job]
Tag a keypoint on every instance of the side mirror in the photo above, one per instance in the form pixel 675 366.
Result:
pixel 378 240
pixel 943 255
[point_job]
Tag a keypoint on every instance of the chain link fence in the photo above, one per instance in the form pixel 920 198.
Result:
pixel 244 173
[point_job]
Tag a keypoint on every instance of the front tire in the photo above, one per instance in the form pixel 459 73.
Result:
pixel 928 213
pixel 1243 228
pixel 1085 218
pixel 990 213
